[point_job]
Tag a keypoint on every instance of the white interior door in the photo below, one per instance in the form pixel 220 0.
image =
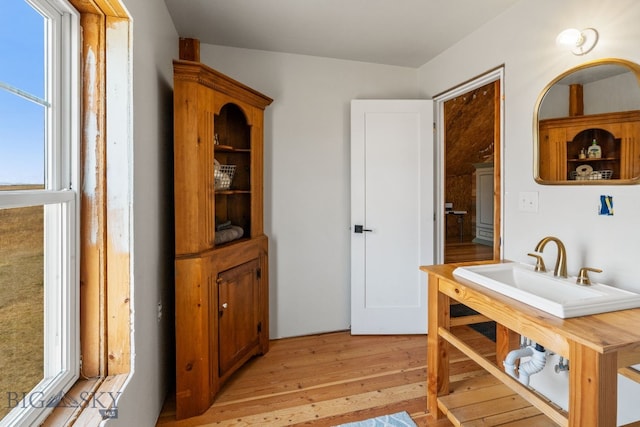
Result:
pixel 392 214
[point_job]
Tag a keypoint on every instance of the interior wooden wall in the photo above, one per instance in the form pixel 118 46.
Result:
pixel 469 121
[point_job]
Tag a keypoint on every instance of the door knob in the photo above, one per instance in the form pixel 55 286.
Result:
pixel 360 229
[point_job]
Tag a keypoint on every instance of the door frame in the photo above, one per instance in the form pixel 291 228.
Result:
pixel 497 74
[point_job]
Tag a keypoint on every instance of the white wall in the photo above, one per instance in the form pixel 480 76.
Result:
pixel 307 160
pixel 531 60
pixel 307 175
pixel 619 93
pixel 155 45
pixel 523 40
pixel 307 167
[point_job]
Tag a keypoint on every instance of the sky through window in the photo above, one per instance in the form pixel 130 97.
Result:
pixel 22 121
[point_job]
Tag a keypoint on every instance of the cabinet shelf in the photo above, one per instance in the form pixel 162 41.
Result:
pixel 232 242
pixel 601 159
pixel 231 192
pixel 230 149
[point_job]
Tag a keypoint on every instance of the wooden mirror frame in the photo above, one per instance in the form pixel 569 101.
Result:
pixel 553 155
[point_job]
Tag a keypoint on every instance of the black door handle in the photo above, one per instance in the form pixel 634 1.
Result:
pixel 360 229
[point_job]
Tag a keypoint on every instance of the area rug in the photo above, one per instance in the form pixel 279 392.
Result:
pixel 400 419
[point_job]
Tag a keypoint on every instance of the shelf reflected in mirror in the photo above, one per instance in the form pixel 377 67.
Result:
pixel 595 104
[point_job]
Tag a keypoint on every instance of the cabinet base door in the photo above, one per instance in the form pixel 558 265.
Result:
pixel 238 313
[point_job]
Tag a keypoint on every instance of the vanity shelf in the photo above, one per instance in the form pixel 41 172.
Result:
pixel 597 346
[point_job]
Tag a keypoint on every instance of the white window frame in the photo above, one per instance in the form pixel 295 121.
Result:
pixel 60 199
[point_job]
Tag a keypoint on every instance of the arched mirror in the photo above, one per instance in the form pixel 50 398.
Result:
pixel 587 126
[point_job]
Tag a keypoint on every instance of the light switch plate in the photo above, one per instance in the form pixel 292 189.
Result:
pixel 528 201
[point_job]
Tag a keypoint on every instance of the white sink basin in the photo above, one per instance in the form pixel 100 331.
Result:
pixel 557 296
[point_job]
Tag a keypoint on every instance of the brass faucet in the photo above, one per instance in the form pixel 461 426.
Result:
pixel 561 261
pixel 583 277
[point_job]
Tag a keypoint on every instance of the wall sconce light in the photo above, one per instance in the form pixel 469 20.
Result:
pixel 579 42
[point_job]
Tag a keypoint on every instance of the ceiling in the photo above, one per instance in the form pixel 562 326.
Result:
pixel 395 32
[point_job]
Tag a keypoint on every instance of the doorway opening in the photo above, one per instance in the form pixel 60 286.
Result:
pixel 469 132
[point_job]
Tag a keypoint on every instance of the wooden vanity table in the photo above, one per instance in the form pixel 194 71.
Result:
pixel 598 347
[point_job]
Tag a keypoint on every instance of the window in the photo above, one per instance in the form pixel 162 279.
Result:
pixel 39 207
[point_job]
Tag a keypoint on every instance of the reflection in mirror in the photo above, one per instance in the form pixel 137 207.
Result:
pixel 587 126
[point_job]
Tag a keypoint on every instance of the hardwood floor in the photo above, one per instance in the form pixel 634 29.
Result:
pixel 335 378
pixel 330 379
pixel 321 380
pixel 455 251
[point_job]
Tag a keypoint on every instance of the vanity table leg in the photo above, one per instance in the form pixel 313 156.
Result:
pixel 506 340
pixel 437 348
pixel 593 387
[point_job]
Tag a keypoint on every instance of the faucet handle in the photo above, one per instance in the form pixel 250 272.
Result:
pixel 539 262
pixel 583 277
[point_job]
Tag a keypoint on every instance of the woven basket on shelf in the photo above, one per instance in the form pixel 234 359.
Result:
pixel 603 174
pixel 223 175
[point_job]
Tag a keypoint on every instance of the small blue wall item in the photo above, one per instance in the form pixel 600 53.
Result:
pixel 606 205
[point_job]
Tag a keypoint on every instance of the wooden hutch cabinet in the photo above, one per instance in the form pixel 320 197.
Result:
pixel 561 140
pixel 221 264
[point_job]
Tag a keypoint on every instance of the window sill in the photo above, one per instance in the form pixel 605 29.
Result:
pixel 89 402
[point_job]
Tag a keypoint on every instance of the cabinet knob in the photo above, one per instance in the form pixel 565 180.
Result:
pixel 221 310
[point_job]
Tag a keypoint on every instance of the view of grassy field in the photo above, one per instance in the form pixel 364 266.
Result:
pixel 21 302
